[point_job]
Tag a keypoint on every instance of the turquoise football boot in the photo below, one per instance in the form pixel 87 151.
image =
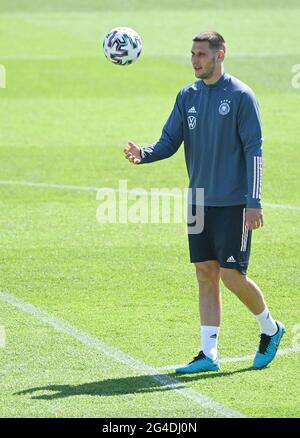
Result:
pixel 200 364
pixel 268 347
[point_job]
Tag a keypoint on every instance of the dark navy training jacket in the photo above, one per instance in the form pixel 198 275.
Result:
pixel 221 130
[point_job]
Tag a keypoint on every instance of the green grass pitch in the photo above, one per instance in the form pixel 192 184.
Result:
pixel 65 115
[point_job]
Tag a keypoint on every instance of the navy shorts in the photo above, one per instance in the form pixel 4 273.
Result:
pixel 224 238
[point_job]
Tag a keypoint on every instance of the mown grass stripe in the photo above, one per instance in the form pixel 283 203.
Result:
pixel 213 408
pixel 95 189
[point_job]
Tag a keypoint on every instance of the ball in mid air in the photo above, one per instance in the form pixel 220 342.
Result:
pixel 122 46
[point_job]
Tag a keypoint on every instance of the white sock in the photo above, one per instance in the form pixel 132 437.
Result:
pixel 210 336
pixel 267 323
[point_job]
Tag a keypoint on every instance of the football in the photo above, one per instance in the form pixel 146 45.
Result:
pixel 122 46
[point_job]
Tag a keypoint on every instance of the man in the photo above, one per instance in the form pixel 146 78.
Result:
pixel 218 119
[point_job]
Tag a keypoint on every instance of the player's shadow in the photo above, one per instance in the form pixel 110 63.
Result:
pixel 123 386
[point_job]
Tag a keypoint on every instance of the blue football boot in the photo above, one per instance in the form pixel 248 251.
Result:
pixel 200 364
pixel 268 347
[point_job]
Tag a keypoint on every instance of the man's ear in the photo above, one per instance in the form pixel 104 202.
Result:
pixel 220 55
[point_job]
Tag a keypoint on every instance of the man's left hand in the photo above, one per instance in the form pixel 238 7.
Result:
pixel 254 218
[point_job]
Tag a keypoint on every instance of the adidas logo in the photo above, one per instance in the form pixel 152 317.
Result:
pixel 231 259
pixel 214 336
pixel 192 110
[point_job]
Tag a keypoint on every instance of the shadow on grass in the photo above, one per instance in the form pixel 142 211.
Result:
pixel 124 386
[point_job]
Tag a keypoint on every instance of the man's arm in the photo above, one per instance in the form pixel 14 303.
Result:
pixel 249 125
pixel 167 145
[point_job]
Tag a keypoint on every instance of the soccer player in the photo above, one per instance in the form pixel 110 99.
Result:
pixel 218 119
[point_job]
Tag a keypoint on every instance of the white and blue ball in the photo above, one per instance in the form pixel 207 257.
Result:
pixel 122 46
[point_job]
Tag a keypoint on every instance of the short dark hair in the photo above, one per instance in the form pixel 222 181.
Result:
pixel 215 40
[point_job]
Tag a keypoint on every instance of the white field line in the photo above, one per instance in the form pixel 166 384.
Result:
pixel 49 185
pixel 214 408
pixel 235 359
pixel 95 189
pixel 34 57
pixel 30 57
pixel 257 54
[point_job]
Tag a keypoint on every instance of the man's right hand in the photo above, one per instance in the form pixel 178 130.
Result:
pixel 133 153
